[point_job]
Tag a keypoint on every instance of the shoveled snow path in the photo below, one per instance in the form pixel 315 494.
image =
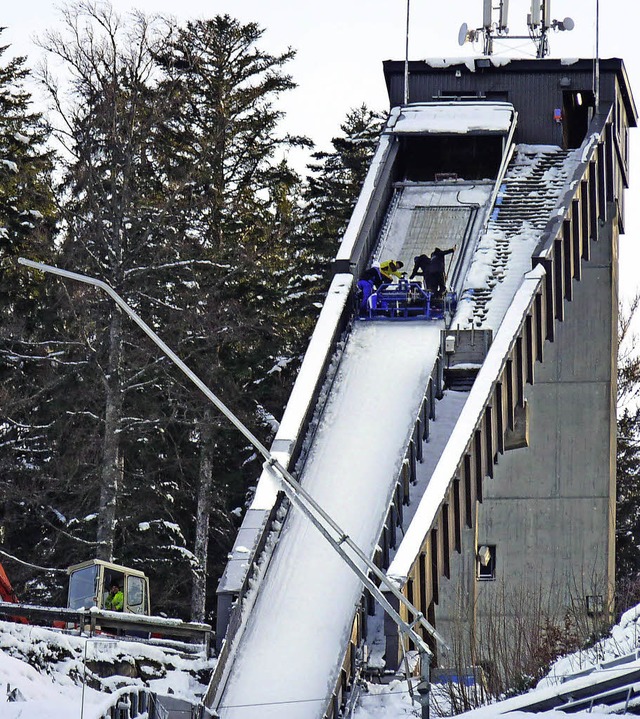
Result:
pixel 293 644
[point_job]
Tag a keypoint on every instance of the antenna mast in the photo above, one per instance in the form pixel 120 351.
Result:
pixel 539 23
pixel 406 60
pixel 596 65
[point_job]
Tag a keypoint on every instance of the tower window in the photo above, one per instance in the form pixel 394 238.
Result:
pixel 486 562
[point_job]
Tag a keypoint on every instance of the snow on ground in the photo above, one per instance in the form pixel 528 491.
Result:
pixel 383 701
pixel 623 639
pixel 48 673
pixel 50 684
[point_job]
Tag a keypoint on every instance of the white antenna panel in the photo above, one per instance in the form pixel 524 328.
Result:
pixel 486 13
pixel 462 34
pixel 535 13
pixel 504 14
pixel 546 13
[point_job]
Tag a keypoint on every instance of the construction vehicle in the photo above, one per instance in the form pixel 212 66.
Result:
pixel 7 594
pixel 6 590
pixel 87 609
pixel 90 581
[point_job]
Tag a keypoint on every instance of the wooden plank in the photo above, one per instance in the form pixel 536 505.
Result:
pixel 585 218
pixel 488 440
pixel 558 279
pixel 457 514
pixel 576 227
pixel 478 464
pixel 567 259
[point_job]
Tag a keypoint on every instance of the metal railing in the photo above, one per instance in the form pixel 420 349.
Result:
pixel 95 621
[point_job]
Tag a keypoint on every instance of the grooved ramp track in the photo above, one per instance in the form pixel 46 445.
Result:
pixel 292 648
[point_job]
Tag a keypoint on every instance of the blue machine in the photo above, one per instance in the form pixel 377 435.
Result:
pixel 405 300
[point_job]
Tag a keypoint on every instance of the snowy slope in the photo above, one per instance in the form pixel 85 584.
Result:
pixel 45 670
pixel 568 673
pixel 291 649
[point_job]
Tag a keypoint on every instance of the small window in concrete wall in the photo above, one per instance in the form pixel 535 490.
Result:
pixel 486 561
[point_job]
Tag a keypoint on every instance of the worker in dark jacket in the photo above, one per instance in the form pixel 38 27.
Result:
pixel 421 266
pixel 368 283
pixel 432 270
pixel 436 281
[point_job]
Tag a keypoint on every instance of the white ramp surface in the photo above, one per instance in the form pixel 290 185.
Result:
pixel 294 641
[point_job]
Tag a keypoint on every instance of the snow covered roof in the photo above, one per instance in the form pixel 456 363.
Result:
pixel 455 118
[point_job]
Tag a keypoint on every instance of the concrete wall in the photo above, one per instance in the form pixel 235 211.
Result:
pixel 550 508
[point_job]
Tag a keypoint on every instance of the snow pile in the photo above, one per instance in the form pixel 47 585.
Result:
pixel 622 641
pixel 382 701
pixel 49 674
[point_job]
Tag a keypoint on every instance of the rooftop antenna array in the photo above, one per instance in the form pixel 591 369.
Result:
pixel 539 23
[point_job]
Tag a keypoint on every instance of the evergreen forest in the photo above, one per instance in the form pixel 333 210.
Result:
pixel 159 166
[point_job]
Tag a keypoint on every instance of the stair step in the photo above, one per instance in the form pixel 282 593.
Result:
pixel 529 193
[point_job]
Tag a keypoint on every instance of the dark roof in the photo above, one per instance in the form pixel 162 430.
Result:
pixel 484 66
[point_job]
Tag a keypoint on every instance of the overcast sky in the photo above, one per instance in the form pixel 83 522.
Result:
pixel 341 44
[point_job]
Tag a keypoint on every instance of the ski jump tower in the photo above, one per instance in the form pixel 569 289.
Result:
pixel 537 482
pixel 494 481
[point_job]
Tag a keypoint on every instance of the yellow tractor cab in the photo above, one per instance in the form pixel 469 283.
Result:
pixel 90 582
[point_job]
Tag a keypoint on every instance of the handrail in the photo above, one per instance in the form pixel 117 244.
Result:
pixel 506 159
pixel 446 469
pixel 94 618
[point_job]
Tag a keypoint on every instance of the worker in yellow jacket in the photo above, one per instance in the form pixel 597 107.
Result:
pixel 115 600
pixel 391 269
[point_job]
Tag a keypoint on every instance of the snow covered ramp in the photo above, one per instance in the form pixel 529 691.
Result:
pixel 292 648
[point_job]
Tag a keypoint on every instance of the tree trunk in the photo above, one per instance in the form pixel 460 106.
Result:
pixel 203 512
pixel 112 462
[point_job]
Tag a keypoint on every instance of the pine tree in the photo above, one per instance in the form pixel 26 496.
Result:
pixel 27 210
pixel 337 178
pixel 116 205
pixel 27 340
pixel 628 498
pixel 236 212
pixel 628 459
pixel 174 196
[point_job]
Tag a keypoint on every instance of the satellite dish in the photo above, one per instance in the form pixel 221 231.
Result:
pixel 462 34
pixel 568 23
